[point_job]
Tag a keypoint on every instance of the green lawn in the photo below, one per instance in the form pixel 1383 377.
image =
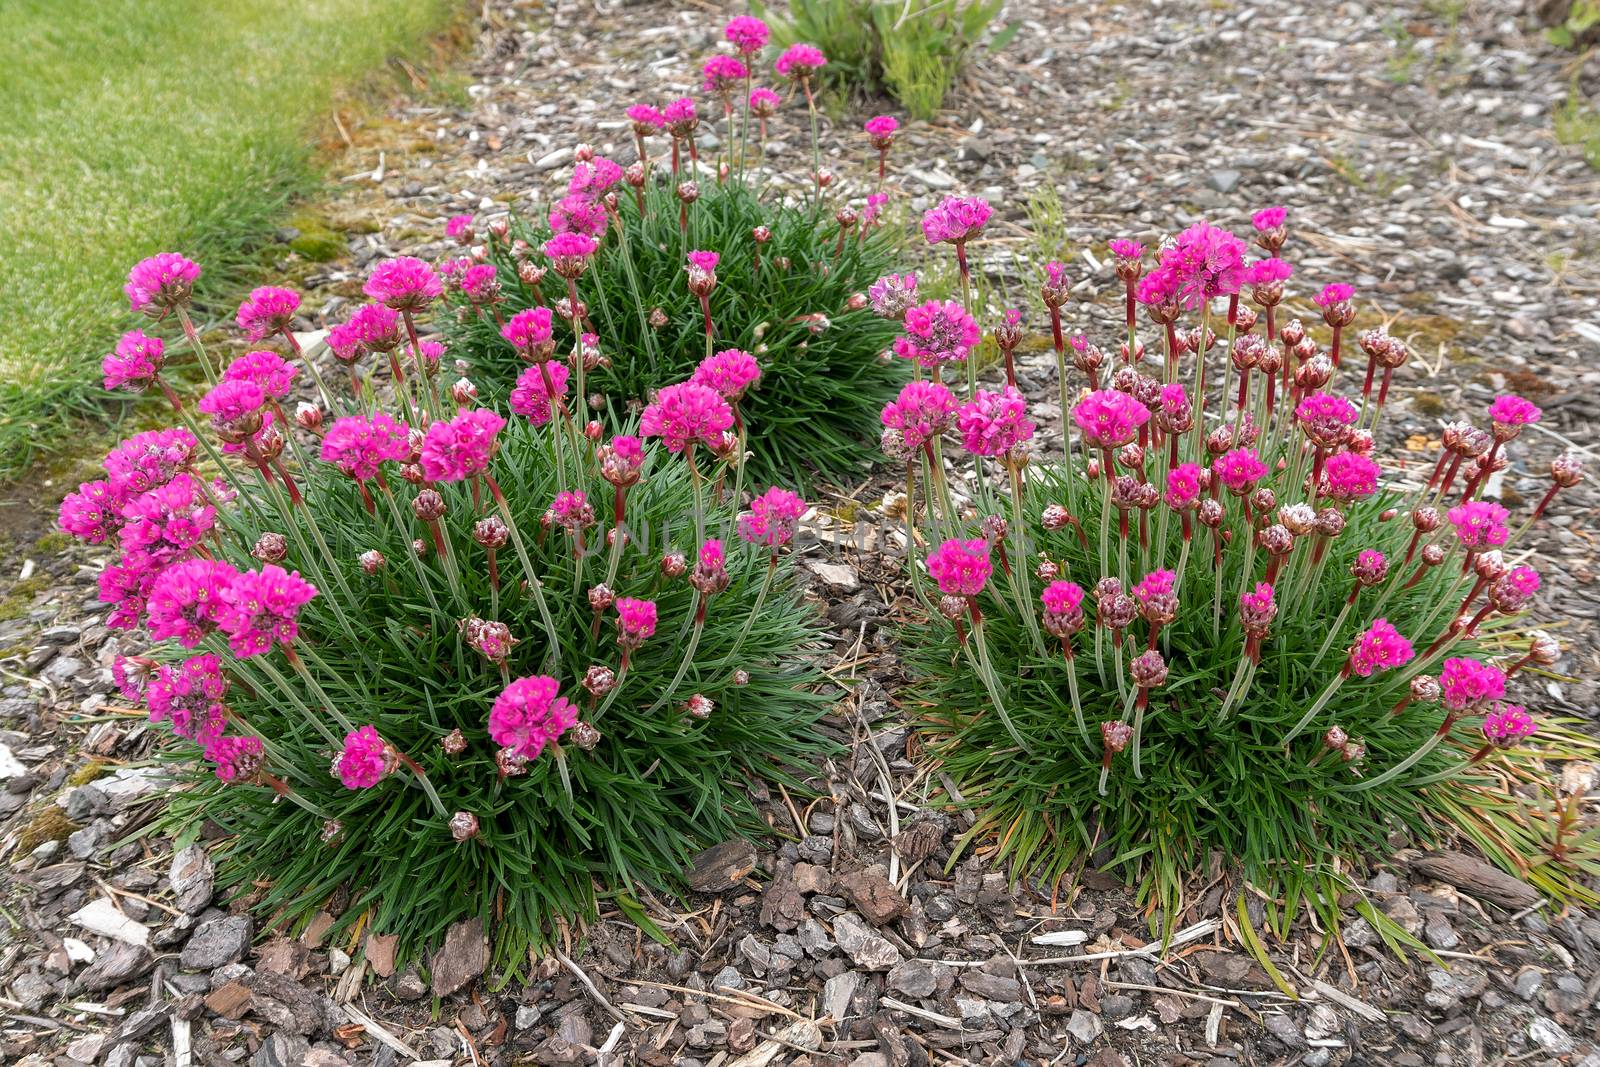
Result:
pixel 137 126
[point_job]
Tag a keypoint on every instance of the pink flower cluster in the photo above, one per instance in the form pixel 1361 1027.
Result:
pixel 1204 262
pixel 535 388
pixel 360 444
pixel 772 519
pixel 956 219
pixel 161 283
pixel 260 608
pixel 730 373
pixel 1109 419
pixel 462 447
pixel 267 311
pixel 528 715
pixel 1480 524
pixel 1468 685
pixel 1379 648
pixel 747 33
pixel 135 363
pixel 636 619
pixel 800 61
pixel 995 424
pixel 189 696
pixel 365 760
pixel 937 332
pixel 921 413
pixel 961 568
pixel 405 283
pixel 686 414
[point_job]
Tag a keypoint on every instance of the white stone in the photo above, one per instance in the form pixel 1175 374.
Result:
pixel 100 916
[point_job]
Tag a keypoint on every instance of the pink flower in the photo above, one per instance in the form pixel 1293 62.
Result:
pixel 270 371
pixel 372 328
pixel 1325 418
pixel 921 413
pixel 528 715
pixel 881 128
pixel 892 295
pixel 636 619
pixel 680 116
pixel 873 208
pixel 365 760
pixel 1123 248
pixel 169 520
pixel 268 310
pixel 1507 411
pixel 594 176
pixel 231 403
pixel 234 759
pixel 772 518
pixel 147 460
pixel 730 372
pixel 1206 262
pixel 459 227
pixel 1159 286
pixel 125 585
pixel 359 444
pixel 1333 294
pixel 955 219
pixel 1479 524
pixel 135 363
pixel 1183 486
pixel 161 283
pixel 1511 592
pixel 723 74
pixel 747 33
pixel 462 447
pixel 186 601
pixel 1257 609
pixel 995 424
pixel 1062 598
pixel 1239 469
pixel 529 330
pixel 705 262
pixel 645 117
pixel 1109 419
pixel 1155 584
pixel 1350 476
pixel 260 608
pixel 405 283
pixel 569 252
pixel 621 460
pixel 1268 218
pixel 92 514
pixel 938 332
pixel 480 283
pixel 763 102
pixel 961 567
pixel 1507 725
pixel 1379 648
pixel 800 61
pixel 132 676
pixel 577 213
pixel 190 697
pixel 685 414
pixel 1469 685
pixel 531 397
pixel 1370 567
pixel 1267 272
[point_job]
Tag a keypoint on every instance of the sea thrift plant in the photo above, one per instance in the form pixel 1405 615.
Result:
pixel 421 648
pixel 1226 621
pixel 671 255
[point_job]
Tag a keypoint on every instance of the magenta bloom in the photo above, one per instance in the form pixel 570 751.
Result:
pixel 1062 597
pixel 267 311
pixel 772 518
pixel 360 444
pixel 955 219
pixel 125 586
pixel 921 413
pixel 1183 486
pixel 881 127
pixel 234 759
pixel 480 283
pixel 1123 248
pixel 763 101
pixel 892 295
pixel 190 697
pixel 593 177
pixel 680 115
pixel 1109 419
pixel 405 283
pixel 365 760
pixel 723 74
pixel 92 513
pixel 636 619
pixel 873 208
pixel 462 447
pixel 1268 218
pixel 747 33
pixel 531 396
pixel 1479 524
pixel 1159 286
pixel 135 363
pixel 800 61
pixel 570 251
pixel 1257 609
pixel 938 332
pixel 1239 469
pixel 579 214
pixel 529 330
pixel 230 402
pixel 706 262
pixel 1333 294
pixel 1468 685
pixel 1207 262
pixel 1155 584
pixel 1506 411
pixel 458 227
pixel 995 424
pixel 685 414
pixel 528 715
pixel 147 460
pixel 961 567
pixel 186 601
pixel 268 370
pixel 643 116
pixel 1379 648
pixel 1326 418
pixel 1267 272
pixel 1507 725
pixel 161 283
pixel 169 520
pixel 1350 476
pixel 260 608
pixel 730 372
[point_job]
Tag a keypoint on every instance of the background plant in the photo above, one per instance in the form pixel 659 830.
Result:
pixel 1219 628
pixel 915 51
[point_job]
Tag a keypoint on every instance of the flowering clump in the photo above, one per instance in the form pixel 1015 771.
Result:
pixel 394 623
pixel 775 266
pixel 1268 618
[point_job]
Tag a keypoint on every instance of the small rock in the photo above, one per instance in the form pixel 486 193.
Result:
pixel 873 896
pixel 1084 1026
pixel 916 978
pixel 837 576
pixel 462 958
pixel 192 878
pixel 281 1050
pixel 863 946
pixel 991 986
pixel 1223 181
pixel 836 995
pixel 1550 1036
pixel 1284 1029
pixel 119 963
pixel 216 942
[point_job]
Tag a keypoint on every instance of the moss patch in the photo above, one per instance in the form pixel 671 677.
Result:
pixel 51 824
pixel 1424 402
pixel 317 241
pixel 89 772
pixel 54 541
pixel 20 598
